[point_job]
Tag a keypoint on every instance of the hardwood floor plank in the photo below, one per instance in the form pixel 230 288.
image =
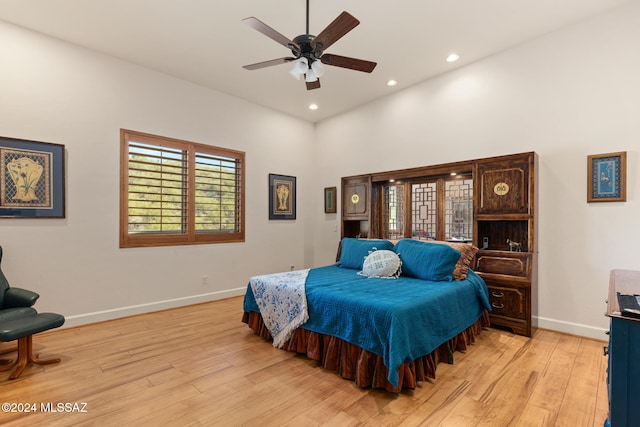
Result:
pixel 201 366
pixel 584 380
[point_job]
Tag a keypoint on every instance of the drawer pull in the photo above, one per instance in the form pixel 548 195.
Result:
pixel 498 306
pixel 497 294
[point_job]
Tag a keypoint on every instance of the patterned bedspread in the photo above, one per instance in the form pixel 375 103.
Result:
pixel 399 320
pixel 282 302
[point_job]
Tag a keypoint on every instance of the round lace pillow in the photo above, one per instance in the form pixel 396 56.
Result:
pixel 382 264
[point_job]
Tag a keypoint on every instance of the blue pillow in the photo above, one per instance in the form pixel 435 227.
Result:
pixel 354 251
pixel 427 261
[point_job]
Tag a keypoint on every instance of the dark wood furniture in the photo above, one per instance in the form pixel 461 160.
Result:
pixel 356 201
pixel 505 212
pixel 623 374
pixel 502 222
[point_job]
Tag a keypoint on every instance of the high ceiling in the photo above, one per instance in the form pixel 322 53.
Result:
pixel 206 42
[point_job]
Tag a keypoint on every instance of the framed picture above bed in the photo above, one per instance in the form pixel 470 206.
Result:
pixel 606 178
pixel 282 197
pixel 31 179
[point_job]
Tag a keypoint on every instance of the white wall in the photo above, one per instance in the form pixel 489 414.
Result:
pixel 55 92
pixel 572 93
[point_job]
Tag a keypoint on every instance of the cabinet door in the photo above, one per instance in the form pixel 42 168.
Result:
pixel 504 186
pixel 355 197
pixel 624 372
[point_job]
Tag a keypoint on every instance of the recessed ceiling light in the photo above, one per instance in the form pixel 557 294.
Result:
pixel 392 83
pixel 313 106
pixel 453 57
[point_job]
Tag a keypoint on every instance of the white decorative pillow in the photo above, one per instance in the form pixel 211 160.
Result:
pixel 382 264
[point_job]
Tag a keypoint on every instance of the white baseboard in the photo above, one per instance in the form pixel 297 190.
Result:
pixel 100 316
pixel 571 328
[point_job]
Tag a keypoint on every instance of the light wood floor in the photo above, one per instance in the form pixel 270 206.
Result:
pixel 201 366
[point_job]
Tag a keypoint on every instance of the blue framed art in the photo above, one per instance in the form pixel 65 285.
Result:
pixel 606 178
pixel 31 179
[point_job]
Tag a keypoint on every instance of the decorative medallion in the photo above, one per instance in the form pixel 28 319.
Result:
pixel 501 188
pixel 355 199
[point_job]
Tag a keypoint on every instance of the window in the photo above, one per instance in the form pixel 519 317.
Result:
pixel 393 210
pixel 176 192
pixel 424 210
pixel 439 208
pixel 459 209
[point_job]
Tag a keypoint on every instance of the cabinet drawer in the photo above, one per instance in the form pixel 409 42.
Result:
pixel 502 262
pixel 511 302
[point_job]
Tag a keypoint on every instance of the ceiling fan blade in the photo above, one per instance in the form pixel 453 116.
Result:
pixel 350 63
pixel 270 63
pixel 334 31
pixel 258 25
pixel 313 85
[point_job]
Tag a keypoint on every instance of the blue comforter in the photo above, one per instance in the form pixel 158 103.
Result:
pixel 398 319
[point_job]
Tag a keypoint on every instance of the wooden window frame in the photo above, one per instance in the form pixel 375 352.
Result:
pixel 439 180
pixel 189 235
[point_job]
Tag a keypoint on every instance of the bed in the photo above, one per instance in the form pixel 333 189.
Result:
pixel 385 329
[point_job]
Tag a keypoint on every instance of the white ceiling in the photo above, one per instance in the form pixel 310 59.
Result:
pixel 205 41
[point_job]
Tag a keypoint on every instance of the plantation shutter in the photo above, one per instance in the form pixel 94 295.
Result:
pixel 157 189
pixel 176 192
pixel 216 195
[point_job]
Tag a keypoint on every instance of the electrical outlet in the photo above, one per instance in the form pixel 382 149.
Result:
pixel 292 267
pixel 204 280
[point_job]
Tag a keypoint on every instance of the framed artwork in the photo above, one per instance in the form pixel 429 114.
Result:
pixel 282 197
pixel 31 179
pixel 607 177
pixel 330 205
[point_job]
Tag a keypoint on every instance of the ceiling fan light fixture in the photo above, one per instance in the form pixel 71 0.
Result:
pixel 318 68
pixel 310 77
pixel 300 68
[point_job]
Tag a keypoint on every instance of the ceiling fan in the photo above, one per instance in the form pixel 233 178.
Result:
pixel 308 50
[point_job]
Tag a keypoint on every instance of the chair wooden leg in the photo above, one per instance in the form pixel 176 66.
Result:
pixel 5 351
pixel 25 355
pixel 21 360
pixel 34 358
pixel 8 364
pixel 8 350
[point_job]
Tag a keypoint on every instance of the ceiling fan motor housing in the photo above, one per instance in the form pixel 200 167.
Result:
pixel 306 50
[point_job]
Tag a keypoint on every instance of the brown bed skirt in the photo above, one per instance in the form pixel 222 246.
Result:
pixel 365 368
